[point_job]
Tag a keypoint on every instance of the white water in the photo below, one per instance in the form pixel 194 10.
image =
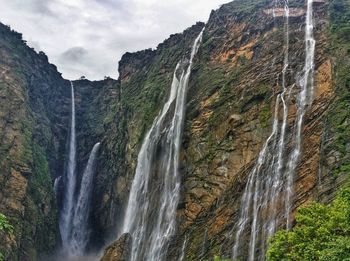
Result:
pixel 66 214
pixel 268 183
pixel 56 185
pixel 251 193
pixel 305 97
pixel 277 180
pixel 80 230
pixel 150 215
pixel 183 249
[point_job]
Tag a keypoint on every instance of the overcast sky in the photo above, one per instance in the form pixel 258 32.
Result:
pixel 88 37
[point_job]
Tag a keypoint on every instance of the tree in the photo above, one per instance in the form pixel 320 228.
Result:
pixel 322 232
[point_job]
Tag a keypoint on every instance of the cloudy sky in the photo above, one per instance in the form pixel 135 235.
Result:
pixel 88 37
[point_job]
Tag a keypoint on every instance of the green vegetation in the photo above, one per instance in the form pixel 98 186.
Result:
pixel 322 233
pixel 4 227
pixel 338 123
pixel 265 116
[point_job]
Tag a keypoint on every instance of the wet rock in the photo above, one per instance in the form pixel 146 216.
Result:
pixel 120 250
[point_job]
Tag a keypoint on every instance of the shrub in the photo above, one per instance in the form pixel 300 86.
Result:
pixel 4 227
pixel 322 232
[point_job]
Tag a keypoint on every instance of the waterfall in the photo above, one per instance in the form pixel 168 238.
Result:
pixel 56 185
pixel 305 96
pixel 70 182
pixel 154 195
pixel 80 230
pixel 74 214
pixel 252 192
pixel 268 183
pixel 183 249
pixel 277 178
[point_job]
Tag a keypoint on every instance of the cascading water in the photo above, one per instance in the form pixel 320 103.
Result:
pixel 74 215
pixel 80 230
pixel 266 183
pixel 277 178
pixel 251 192
pixel 66 214
pixel 183 249
pixel 56 185
pixel 150 215
pixel 305 97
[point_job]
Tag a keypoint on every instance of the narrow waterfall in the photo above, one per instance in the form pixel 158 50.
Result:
pixel 57 185
pixel 252 193
pixel 277 179
pixel 66 214
pixel 268 183
pixel 80 230
pixel 154 195
pixel 183 249
pixel 305 96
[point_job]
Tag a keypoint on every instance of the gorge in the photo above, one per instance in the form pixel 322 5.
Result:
pixel 203 147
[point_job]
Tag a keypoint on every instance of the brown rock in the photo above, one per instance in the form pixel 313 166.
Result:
pixel 120 250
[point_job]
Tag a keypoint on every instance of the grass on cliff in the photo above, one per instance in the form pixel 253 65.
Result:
pixel 322 232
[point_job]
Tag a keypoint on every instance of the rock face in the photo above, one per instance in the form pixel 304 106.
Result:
pixel 230 110
pixel 235 80
pixel 236 77
pixel 119 250
pixel 33 129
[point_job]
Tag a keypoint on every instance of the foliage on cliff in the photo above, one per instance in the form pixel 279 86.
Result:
pixel 4 227
pixel 339 12
pixel 322 232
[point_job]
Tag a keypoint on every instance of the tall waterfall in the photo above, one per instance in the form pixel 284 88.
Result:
pixel 154 195
pixel 305 97
pixel 277 178
pixel 268 184
pixel 74 214
pixel 66 214
pixel 80 230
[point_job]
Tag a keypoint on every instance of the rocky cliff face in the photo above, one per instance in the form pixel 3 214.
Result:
pixel 235 80
pixel 99 119
pixel 34 122
pixel 228 125
pixel 236 77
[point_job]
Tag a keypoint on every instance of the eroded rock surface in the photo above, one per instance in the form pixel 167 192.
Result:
pixel 119 250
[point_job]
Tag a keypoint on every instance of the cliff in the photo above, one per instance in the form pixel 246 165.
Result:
pixel 34 124
pixel 230 105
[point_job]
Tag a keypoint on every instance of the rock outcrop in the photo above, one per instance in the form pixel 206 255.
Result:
pixel 119 250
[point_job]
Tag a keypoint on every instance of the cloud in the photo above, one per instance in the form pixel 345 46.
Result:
pixel 74 55
pixel 88 37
